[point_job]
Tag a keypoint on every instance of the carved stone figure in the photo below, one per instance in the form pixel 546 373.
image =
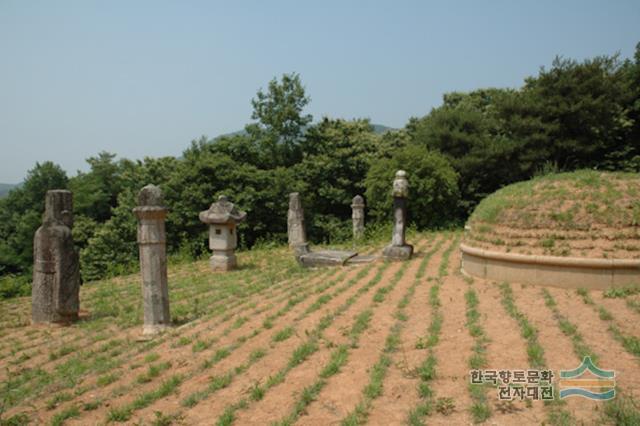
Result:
pixel 56 272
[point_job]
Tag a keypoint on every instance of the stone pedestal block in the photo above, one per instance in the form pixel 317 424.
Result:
pixel 223 260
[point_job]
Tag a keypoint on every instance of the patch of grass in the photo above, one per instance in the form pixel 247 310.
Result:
pixel 57 399
pixel 604 314
pixel 622 410
pixel 200 346
pixel 167 387
pixel 92 405
pixel 283 334
pixel 256 354
pixel 580 348
pixel 621 292
pixel 107 379
pixel 445 406
pixel 153 371
pixel 535 351
pixel 149 358
pixel 302 352
pixel 66 414
pixel 64 350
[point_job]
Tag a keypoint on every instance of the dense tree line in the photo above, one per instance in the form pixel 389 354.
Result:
pixel 573 115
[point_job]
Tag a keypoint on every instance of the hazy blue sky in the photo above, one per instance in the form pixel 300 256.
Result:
pixel 144 78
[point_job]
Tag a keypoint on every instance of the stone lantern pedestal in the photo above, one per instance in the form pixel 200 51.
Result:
pixel 222 218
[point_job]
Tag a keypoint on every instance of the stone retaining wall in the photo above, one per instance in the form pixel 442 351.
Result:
pixel 564 272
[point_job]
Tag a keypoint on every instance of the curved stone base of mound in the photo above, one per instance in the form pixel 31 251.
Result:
pixel 564 272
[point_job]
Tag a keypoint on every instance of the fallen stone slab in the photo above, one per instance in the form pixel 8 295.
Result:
pixel 360 259
pixel 326 258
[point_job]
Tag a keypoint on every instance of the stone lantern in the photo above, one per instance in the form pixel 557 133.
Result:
pixel 222 218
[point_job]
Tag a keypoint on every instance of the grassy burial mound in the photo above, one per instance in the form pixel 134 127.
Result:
pixel 589 214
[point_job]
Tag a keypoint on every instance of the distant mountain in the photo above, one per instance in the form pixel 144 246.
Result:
pixel 5 188
pixel 377 128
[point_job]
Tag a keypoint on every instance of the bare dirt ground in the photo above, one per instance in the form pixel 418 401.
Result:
pixel 271 343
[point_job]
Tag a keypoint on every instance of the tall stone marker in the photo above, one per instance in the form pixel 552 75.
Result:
pixel 295 226
pixel 357 215
pixel 151 215
pixel 222 218
pixel 399 249
pixel 56 272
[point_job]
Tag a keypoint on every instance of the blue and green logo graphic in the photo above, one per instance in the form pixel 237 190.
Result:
pixel 600 387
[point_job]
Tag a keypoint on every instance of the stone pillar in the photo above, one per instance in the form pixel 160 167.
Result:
pixel 295 226
pixel 357 215
pixel 56 270
pixel 399 249
pixel 151 215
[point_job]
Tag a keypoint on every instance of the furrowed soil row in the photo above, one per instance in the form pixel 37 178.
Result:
pixel 307 351
pixel 554 408
pixel 108 297
pixel 227 342
pixel 285 395
pixel 67 347
pixel 134 406
pixel 425 369
pixel 625 407
pixel 400 391
pixel 109 293
pixel 111 363
pixel 620 320
pixel 379 401
pixel 506 349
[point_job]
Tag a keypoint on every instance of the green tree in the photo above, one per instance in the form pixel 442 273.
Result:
pixel 21 215
pixel 281 121
pixel 110 247
pixel 337 154
pixel 433 187
pixel 96 192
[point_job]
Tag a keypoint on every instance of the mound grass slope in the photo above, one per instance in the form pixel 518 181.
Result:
pixel 586 213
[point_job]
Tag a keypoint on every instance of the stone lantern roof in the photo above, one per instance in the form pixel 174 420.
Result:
pixel 221 212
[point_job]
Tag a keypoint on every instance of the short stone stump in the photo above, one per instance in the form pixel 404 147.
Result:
pixel 553 271
pixel 398 252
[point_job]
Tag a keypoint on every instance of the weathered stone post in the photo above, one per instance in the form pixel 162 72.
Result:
pixel 222 218
pixel 357 215
pixel 56 271
pixel 295 226
pixel 153 259
pixel 399 249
